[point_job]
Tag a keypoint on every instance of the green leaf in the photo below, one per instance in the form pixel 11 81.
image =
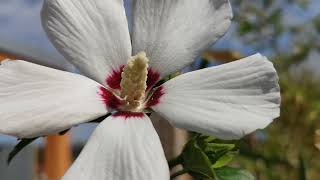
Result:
pixel 202 154
pixel 228 173
pixel 218 154
pixel 216 151
pixel 22 144
pixel 204 137
pixel 219 147
pixel 203 140
pixel 225 159
pixel 195 161
pixel 209 139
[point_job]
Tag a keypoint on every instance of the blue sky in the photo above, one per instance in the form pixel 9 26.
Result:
pixel 20 22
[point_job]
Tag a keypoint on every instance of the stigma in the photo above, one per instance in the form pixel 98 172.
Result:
pixel 134 82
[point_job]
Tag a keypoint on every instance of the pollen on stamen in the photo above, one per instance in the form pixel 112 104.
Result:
pixel 134 81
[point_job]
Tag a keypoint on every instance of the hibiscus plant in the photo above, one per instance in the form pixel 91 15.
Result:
pixel 120 85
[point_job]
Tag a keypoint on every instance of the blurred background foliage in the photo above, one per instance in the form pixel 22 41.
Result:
pixel 287 148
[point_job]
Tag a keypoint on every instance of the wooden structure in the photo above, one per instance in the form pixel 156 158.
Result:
pixel 57 156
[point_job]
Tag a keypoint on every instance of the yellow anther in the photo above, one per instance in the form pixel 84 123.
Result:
pixel 134 81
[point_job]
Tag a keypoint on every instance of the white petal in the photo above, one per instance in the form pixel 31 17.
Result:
pixel 92 34
pixel 227 101
pixel 121 148
pixel 174 32
pixel 36 100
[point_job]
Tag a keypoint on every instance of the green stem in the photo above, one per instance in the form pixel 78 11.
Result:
pixel 174 162
pixel 215 175
pixel 179 173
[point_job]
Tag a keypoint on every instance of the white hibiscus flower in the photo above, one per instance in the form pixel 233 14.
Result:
pixel 226 101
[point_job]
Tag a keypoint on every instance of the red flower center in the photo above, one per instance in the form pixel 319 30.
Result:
pixel 111 96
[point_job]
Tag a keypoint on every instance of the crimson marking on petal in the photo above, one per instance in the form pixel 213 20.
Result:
pixel 109 98
pixel 155 98
pixel 153 78
pixel 126 114
pixel 114 79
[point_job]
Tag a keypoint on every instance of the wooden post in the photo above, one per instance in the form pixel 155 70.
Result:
pixel 5 56
pixel 57 156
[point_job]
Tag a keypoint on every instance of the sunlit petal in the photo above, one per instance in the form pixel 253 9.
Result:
pixel 174 32
pixel 92 34
pixel 123 147
pixel 36 100
pixel 227 101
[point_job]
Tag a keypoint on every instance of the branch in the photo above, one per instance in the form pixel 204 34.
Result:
pixel 179 173
pixel 174 162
